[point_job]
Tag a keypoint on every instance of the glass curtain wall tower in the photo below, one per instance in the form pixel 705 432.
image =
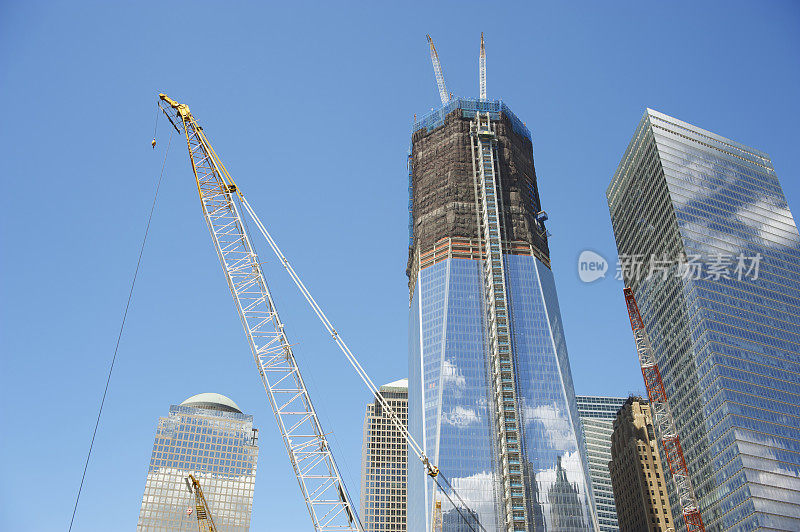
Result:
pixel 722 310
pixel 597 416
pixel 209 437
pixel 490 389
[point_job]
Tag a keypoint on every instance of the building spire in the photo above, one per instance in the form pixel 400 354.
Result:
pixel 482 70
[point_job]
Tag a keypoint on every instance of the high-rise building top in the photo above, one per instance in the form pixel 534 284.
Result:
pixel 712 253
pixel 384 461
pixel 640 488
pixel 597 416
pixel 490 390
pixel 209 437
pixel 442 187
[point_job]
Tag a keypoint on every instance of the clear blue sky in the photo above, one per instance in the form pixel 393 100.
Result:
pixel 310 106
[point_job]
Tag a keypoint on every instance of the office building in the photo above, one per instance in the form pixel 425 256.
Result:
pixel 210 438
pixel 597 415
pixel 384 460
pixel 708 245
pixel 640 488
pixel 491 397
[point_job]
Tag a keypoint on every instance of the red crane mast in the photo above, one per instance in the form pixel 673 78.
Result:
pixel 663 419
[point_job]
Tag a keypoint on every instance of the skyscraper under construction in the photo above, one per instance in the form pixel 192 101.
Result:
pixel 490 388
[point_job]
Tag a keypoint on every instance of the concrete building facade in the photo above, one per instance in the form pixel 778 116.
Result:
pixel 640 488
pixel 384 462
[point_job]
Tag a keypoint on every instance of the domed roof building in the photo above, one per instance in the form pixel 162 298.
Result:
pixel 207 436
pixel 213 401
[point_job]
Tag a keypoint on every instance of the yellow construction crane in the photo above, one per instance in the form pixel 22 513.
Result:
pixel 306 442
pixel 436 520
pixel 309 452
pixel 205 523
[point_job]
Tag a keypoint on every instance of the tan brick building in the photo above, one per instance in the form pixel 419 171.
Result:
pixel 383 462
pixel 640 489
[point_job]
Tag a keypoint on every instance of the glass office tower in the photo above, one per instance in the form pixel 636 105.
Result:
pixel 210 438
pixel 712 253
pixel 597 416
pixel 490 390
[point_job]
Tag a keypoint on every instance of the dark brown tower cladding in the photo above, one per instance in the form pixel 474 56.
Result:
pixel 443 194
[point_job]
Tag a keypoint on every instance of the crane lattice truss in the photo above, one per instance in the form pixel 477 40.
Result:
pixel 482 70
pixel 663 419
pixel 437 70
pixel 205 522
pixel 302 433
pixel 503 376
pixel 436 519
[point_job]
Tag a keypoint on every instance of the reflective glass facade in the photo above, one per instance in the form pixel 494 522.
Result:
pixel 448 376
pixel 728 346
pixel 218 445
pixel 597 416
pixel 490 390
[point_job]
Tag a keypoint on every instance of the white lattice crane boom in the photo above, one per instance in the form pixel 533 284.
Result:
pixel 437 70
pixel 306 444
pixel 309 453
pixel 482 70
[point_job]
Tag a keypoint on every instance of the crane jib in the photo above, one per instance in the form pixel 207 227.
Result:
pixel 326 496
pixel 306 444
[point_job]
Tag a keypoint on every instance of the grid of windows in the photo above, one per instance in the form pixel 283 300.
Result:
pixel 448 376
pixel 639 485
pixel 384 463
pixel 727 347
pixel 597 416
pixel 452 408
pixel 220 449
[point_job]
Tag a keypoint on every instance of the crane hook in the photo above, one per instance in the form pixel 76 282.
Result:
pixel 153 143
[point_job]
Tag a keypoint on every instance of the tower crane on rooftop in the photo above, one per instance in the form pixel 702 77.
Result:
pixel 437 70
pixel 326 497
pixel 482 70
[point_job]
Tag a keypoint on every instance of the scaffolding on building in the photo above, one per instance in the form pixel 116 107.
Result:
pixel 503 377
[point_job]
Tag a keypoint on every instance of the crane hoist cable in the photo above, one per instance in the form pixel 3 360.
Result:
pixel 306 443
pixel 121 327
pixel 271 349
pixel 433 471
